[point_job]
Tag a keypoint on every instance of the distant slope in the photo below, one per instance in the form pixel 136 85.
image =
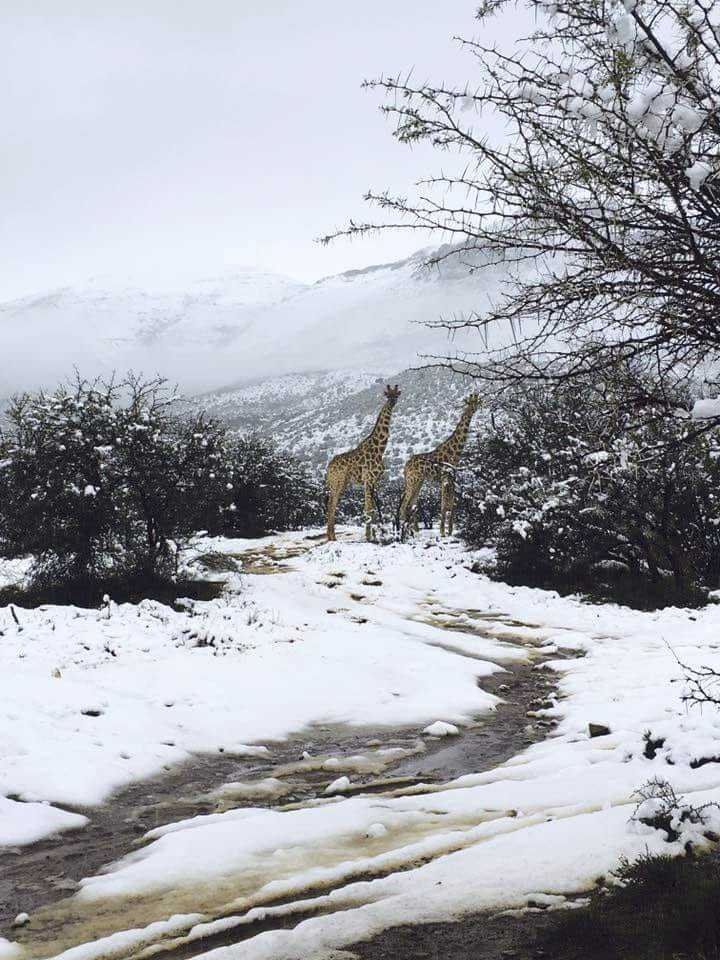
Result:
pixel 243 326
pixel 315 416
pixel 103 327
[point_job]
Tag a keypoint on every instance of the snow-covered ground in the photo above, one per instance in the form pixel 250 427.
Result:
pixel 92 700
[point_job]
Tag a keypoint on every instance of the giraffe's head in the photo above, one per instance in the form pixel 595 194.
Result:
pixel 473 402
pixel 392 393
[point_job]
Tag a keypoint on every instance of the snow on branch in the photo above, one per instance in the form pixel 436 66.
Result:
pixel 601 195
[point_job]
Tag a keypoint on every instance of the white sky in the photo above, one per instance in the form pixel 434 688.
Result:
pixel 190 136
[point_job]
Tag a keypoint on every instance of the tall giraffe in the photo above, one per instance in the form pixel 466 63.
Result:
pixel 438 464
pixel 363 464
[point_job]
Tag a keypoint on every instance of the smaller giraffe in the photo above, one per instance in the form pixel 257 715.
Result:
pixel 363 464
pixel 438 464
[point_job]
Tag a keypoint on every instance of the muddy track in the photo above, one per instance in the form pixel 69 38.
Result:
pixel 48 871
pixel 35 877
pixel 475 937
pixel 494 739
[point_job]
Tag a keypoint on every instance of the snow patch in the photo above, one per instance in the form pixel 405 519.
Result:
pixel 441 729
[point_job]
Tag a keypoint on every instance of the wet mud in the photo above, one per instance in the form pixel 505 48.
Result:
pixel 476 937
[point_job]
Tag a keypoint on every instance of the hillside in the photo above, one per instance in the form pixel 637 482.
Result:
pixel 316 415
pixel 241 327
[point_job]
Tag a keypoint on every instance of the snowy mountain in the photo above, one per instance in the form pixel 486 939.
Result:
pixel 109 326
pixel 316 415
pixel 239 327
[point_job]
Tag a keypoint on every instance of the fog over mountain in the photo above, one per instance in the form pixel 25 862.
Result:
pixel 237 327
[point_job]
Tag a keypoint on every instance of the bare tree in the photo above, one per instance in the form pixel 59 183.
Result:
pixel 601 197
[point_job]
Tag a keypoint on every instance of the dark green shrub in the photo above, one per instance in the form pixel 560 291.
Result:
pixel 664 908
pixel 271 491
pixel 103 483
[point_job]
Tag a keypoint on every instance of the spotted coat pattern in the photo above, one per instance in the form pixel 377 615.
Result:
pixel 439 465
pixel 363 465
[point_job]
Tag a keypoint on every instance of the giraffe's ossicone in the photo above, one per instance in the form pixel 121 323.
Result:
pixel 364 465
pixel 439 465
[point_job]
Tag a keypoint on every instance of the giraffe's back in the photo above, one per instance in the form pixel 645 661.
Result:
pixel 423 464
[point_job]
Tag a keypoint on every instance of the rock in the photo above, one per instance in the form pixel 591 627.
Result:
pixel 598 730
pixel 21 920
pixel 338 786
pixel 441 729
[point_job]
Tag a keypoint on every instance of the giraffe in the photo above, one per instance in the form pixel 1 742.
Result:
pixel 363 464
pixel 438 464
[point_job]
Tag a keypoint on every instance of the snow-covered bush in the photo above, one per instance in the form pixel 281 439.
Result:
pixel 271 491
pixel 579 493
pixel 99 481
pixel 102 483
pixel 660 808
pixel 57 458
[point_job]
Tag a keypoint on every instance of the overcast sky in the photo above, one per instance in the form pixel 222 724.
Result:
pixel 191 136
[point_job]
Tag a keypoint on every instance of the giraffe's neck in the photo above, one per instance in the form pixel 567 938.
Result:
pixel 378 437
pixel 450 449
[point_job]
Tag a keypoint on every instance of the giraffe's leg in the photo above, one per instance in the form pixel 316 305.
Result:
pixel 332 502
pixel 447 490
pixel 378 506
pixel 336 488
pixel 407 506
pixel 369 504
pixel 443 501
pixel 404 505
pixel 450 501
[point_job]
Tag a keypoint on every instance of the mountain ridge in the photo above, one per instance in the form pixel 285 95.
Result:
pixel 240 325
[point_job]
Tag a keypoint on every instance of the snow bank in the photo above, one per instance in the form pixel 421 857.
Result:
pixel 706 409
pixel 22 823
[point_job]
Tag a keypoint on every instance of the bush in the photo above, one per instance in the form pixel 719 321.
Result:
pixel 271 491
pixel 102 484
pixel 662 908
pixel 579 494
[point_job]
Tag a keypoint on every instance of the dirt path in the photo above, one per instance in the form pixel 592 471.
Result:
pixel 42 874
pixel 39 878
pixel 478 937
